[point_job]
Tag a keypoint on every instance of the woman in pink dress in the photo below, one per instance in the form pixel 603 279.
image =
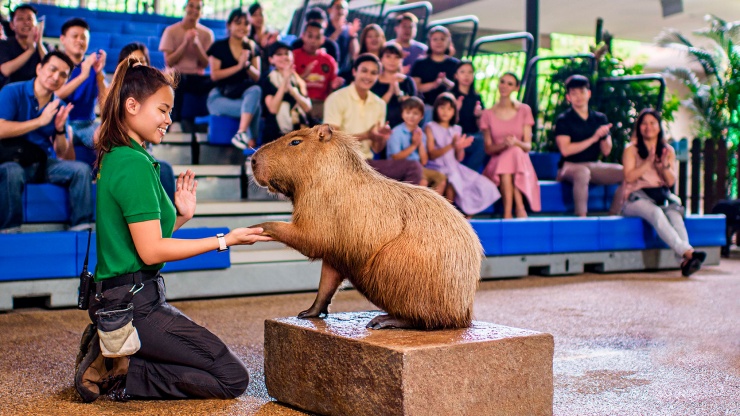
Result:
pixel 446 144
pixel 507 137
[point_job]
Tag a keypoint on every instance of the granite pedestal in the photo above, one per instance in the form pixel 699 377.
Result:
pixel 336 366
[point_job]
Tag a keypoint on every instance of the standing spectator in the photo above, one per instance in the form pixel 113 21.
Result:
pixel 32 118
pixel 393 86
pixel 433 74
pixel 261 36
pixel 344 33
pixel 470 110
pixel 582 135
pixel 21 53
pixel 316 14
pixel 372 39
pixel 507 132
pixel 446 143
pixel 184 45
pixel 286 98
pixel 406 38
pixel 317 68
pixel 649 173
pixel 408 141
pixel 235 68
pixel 356 110
pixel 86 85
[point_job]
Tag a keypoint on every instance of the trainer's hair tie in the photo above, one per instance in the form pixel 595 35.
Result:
pixel 137 63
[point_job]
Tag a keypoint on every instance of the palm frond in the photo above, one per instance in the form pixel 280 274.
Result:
pixel 705 59
pixel 686 76
pixel 671 38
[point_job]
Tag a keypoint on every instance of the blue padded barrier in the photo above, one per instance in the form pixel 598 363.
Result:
pixel 45 202
pixel 596 196
pixel 489 233
pixel 37 255
pixel 545 165
pixel 609 191
pixel 222 129
pixel 621 233
pixel 575 235
pixel 551 195
pixel 526 236
pixel 706 230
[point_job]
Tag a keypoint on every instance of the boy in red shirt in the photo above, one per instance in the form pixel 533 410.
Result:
pixel 317 68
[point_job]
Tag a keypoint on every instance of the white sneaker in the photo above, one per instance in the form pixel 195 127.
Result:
pixel 82 227
pixel 241 140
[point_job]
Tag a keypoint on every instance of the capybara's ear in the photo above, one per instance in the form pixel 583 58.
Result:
pixel 325 132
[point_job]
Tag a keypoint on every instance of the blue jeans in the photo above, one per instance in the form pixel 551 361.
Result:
pixel 250 103
pixel 76 176
pixel 83 131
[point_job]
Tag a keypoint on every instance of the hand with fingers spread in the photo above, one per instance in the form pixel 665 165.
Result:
pixel 185 194
pixel 354 27
pixel 49 112
pixel 100 62
pixel 337 83
pixel 478 111
pixel 87 64
pixel 462 142
pixel 61 118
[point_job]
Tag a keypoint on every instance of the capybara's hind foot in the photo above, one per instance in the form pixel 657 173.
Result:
pixel 388 322
pixel 313 312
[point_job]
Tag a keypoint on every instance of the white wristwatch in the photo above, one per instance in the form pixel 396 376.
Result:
pixel 221 242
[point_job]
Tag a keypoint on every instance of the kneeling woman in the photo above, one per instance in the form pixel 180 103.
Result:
pixel 649 175
pixel 177 358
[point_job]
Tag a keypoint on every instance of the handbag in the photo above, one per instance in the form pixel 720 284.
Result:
pixel 233 91
pixel 24 153
pixel 660 195
pixel 118 336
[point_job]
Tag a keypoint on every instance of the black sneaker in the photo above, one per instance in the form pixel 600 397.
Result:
pixel 117 391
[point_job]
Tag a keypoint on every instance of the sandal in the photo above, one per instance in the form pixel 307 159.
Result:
pixel 692 265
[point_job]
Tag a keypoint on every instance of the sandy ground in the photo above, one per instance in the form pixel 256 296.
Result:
pixel 625 344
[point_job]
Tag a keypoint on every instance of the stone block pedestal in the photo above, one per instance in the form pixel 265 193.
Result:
pixel 336 366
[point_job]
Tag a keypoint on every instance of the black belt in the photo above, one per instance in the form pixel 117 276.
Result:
pixel 129 279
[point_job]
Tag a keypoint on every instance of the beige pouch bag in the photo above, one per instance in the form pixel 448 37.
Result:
pixel 118 336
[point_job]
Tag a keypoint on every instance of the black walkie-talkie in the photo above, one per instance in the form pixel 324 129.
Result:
pixel 86 278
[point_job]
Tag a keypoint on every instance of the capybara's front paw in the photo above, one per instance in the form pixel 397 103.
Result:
pixel 268 228
pixel 314 312
pixel 388 322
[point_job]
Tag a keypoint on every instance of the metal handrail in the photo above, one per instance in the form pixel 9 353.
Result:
pixel 504 38
pixel 531 64
pixel 642 77
pixel 457 20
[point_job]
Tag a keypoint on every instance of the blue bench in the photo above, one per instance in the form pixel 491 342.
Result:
pixel 221 129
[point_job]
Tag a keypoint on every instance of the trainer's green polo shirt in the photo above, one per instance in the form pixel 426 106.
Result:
pixel 129 191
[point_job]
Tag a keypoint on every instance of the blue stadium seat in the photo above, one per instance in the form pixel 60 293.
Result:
pixel 221 34
pixel 137 28
pixel 119 42
pixel 213 24
pixel 526 236
pixel 53 27
pixel 45 203
pixel 99 41
pixel 489 234
pixel 157 59
pixel 706 230
pixel 112 61
pixel 110 26
pixel 575 235
pixel 153 43
pixel 85 154
pixel 621 233
pixel 545 165
pixel 193 106
pixel 47 10
pixel 609 191
pixel 221 129
pixel 38 255
pixel 551 195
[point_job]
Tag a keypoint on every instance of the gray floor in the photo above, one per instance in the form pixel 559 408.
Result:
pixel 625 344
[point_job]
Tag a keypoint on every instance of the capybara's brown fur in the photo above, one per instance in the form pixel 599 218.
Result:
pixel 402 246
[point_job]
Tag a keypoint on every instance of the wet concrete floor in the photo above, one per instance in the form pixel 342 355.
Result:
pixel 625 344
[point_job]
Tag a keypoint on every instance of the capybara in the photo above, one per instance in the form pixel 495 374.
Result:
pixel 402 246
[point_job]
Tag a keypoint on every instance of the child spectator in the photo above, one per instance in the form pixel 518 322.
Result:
pixel 507 132
pixel 184 45
pixel 582 135
pixel 408 141
pixel 86 85
pixel 286 98
pixel 470 109
pixel 433 74
pixel 237 93
pixel 446 144
pixel 318 15
pixel 317 68
pixel 393 86
pixel 22 52
pixel 406 38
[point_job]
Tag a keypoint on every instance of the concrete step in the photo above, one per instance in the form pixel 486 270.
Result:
pixel 266 256
pixel 243 208
pixel 220 171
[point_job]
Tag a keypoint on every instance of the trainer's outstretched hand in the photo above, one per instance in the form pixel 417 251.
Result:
pixel 246 236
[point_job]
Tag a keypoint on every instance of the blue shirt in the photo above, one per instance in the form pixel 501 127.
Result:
pixel 20 104
pixel 84 97
pixel 401 139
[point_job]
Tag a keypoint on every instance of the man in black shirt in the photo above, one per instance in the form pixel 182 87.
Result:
pixel 20 54
pixel 582 135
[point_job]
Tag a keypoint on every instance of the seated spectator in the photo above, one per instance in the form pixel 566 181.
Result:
pixel 21 53
pixel 5 27
pixel 329 46
pixel 649 175
pixel 408 141
pixel 446 144
pixel 140 52
pixel 286 98
pixel 433 74
pixel 470 109
pixel 582 135
pixel 356 110
pixel 86 85
pixel 393 86
pixel 507 134
pixel 405 37
pixel 372 39
pixel 34 120
pixel 184 45
pixel 261 36
pixel 317 68
pixel 235 68
pixel 344 34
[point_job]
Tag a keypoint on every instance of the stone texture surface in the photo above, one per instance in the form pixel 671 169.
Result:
pixel 336 366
